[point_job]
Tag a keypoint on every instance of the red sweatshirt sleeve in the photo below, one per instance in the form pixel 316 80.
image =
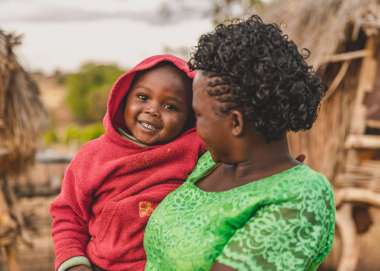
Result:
pixel 70 215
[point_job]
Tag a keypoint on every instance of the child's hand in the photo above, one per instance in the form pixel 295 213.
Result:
pixel 81 267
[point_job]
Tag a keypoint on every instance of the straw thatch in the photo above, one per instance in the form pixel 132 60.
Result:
pixel 324 26
pixel 22 114
pixel 335 31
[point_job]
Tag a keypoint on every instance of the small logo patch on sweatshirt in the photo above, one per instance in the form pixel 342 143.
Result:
pixel 145 208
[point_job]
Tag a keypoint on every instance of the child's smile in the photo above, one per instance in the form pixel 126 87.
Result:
pixel 149 127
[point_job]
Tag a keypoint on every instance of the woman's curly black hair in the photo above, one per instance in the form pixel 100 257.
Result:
pixel 262 74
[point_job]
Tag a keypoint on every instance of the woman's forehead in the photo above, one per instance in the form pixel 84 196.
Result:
pixel 200 80
pixel 199 76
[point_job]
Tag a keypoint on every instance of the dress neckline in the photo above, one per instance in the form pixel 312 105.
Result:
pixel 193 183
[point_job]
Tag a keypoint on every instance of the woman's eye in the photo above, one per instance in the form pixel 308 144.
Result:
pixel 142 97
pixel 170 107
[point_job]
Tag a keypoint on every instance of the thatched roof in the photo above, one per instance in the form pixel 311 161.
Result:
pixel 22 114
pixel 337 33
pixel 322 25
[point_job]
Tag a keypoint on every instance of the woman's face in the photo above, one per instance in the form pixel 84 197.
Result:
pixel 212 127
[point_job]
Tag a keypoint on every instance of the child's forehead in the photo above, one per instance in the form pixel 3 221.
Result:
pixel 162 69
pixel 165 87
pixel 168 77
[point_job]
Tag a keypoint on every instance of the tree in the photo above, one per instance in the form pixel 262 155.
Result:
pixel 88 90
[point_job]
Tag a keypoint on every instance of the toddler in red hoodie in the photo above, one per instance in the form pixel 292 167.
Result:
pixel 114 182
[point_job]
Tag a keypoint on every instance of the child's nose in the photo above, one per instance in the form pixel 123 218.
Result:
pixel 152 109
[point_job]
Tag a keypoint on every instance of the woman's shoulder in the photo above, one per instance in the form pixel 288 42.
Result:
pixel 301 185
pixel 313 180
pixel 309 187
pixel 304 177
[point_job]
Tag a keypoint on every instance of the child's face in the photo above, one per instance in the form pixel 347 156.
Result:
pixel 158 105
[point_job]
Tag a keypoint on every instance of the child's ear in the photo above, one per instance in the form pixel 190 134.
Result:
pixel 237 122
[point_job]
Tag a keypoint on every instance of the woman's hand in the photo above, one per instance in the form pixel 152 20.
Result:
pixel 81 267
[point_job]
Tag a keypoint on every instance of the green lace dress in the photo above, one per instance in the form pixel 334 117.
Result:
pixel 282 222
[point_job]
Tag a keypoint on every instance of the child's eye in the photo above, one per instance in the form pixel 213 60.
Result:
pixel 142 97
pixel 170 107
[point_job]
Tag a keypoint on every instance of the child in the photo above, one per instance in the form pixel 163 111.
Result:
pixel 113 184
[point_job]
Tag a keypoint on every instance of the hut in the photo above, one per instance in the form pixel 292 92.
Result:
pixel 344 143
pixel 22 117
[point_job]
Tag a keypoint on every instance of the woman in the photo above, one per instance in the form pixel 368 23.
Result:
pixel 248 205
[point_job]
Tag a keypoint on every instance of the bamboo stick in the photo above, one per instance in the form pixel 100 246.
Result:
pixel 337 80
pixel 367 78
pixel 11 258
pixel 350 251
pixel 347 56
pixel 356 195
pixel 373 124
pixel 363 141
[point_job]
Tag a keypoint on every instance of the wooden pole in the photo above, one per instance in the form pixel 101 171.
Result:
pixel 357 195
pixel 350 251
pixel 362 141
pixel 367 78
pixel 347 56
pixel 12 258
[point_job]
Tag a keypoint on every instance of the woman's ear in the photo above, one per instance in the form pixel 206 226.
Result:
pixel 237 122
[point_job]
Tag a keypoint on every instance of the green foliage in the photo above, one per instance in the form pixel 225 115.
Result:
pixel 74 134
pixel 50 137
pixel 82 134
pixel 88 90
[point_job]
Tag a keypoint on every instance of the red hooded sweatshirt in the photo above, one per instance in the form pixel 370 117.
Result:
pixel 112 186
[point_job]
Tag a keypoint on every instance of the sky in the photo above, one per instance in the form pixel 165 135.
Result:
pixel 64 34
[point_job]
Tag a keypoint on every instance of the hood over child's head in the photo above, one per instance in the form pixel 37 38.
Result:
pixel 158 105
pixel 153 101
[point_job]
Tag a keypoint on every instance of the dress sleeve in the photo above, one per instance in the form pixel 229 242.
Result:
pixel 287 236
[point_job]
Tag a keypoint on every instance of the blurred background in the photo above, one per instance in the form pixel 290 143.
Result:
pixel 59 59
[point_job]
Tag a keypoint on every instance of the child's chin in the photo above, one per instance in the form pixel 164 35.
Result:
pixel 148 141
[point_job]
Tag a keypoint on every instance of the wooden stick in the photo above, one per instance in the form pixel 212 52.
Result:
pixel 350 250
pixel 373 123
pixel 363 141
pixel 367 79
pixel 11 258
pixel 337 80
pixel 347 56
pixel 356 195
